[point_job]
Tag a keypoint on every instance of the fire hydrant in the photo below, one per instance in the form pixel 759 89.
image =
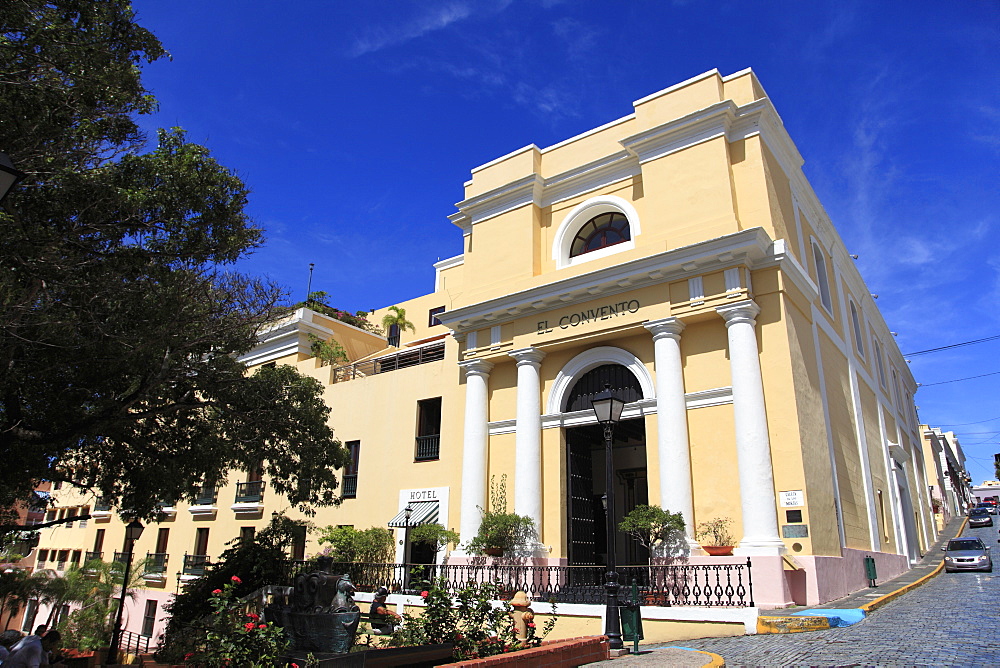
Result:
pixel 522 614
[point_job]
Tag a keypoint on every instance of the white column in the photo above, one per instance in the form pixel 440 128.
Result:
pixel 753 446
pixel 673 449
pixel 475 446
pixel 528 436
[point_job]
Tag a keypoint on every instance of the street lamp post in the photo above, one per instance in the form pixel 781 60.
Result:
pixel 132 532
pixel 608 409
pixel 406 546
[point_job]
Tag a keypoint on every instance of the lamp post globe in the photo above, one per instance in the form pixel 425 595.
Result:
pixel 608 410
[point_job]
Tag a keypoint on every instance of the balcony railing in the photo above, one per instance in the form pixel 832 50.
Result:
pixel 102 506
pixel 428 447
pixel 156 562
pixel 350 484
pixel 134 643
pixel 195 564
pixel 723 585
pixel 207 496
pixel 90 556
pixel 250 492
pixel 400 360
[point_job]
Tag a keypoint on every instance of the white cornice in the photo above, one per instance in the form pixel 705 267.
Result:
pixel 720 119
pixel 746 247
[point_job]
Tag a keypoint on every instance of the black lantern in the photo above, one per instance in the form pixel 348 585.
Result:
pixel 9 176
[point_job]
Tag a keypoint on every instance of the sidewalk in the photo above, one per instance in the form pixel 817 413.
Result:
pixel 855 606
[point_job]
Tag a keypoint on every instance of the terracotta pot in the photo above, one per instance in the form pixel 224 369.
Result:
pixel 496 551
pixel 718 550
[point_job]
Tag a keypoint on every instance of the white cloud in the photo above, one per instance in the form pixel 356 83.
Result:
pixel 381 37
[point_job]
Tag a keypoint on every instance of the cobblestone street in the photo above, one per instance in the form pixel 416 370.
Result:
pixel 949 621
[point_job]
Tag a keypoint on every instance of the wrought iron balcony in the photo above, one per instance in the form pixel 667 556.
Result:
pixel 156 562
pixel 250 492
pixel 207 496
pixel 428 447
pixel 102 506
pixel 195 564
pixel 90 556
pixel 350 485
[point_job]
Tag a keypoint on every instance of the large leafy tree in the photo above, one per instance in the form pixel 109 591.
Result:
pixel 120 319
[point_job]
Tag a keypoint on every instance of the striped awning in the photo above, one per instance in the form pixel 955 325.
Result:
pixel 423 512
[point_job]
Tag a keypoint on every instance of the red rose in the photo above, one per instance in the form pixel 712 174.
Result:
pixel 188 655
pixel 262 626
pixel 295 665
pixel 424 594
pixel 236 579
pixel 216 591
pixel 531 625
pixel 253 616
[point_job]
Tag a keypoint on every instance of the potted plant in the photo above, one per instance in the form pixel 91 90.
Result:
pixel 500 531
pixel 714 536
pixel 433 534
pixel 652 526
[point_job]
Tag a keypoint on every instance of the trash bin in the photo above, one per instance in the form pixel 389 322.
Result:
pixel 870 572
pixel 631 617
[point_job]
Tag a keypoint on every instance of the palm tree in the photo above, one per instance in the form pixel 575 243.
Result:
pixel 17 587
pixel 394 322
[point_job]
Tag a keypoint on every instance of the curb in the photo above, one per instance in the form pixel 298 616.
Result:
pixel 715 660
pixel 796 624
pixel 882 600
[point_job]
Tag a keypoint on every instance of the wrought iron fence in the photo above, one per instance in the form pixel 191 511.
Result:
pixel 400 360
pixel 428 447
pixel 708 585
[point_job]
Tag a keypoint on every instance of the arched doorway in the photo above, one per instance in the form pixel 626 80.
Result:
pixel 585 451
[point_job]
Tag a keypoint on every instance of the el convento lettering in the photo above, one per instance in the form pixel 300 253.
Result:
pixel 605 312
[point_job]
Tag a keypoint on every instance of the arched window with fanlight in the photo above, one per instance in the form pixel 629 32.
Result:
pixel 600 232
pixel 601 226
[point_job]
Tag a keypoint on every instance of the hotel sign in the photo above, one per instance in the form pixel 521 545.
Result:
pixel 605 312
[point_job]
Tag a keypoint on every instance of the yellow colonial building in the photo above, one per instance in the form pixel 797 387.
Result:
pixel 677 254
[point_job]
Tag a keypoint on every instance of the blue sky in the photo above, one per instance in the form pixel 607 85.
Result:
pixel 355 125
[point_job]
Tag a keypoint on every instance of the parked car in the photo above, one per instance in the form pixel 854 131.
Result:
pixel 967 554
pixel 988 507
pixel 980 517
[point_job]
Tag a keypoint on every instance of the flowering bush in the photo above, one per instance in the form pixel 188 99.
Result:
pixel 236 640
pixel 475 621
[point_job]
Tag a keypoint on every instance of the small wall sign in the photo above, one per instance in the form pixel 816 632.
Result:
pixel 792 499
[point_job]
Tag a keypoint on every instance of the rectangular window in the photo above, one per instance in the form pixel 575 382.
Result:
pixel 99 541
pixel 149 619
pixel 162 538
pixel 77 556
pixel 43 556
pixel 428 429
pixel 350 488
pixel 822 278
pixel 247 534
pixel 29 616
pixel 299 543
pixel 432 316
pixel 879 363
pixel 201 542
pixel 859 342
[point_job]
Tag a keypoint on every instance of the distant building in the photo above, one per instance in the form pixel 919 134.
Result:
pixel 677 254
pixel 947 477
